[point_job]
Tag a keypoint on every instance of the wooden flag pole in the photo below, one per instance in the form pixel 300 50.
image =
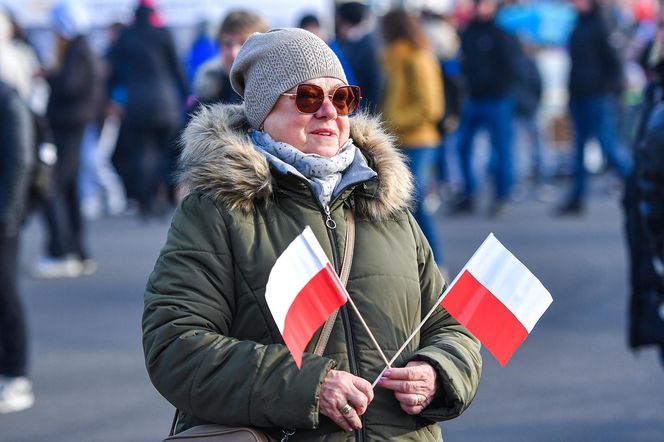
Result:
pixel 366 327
pixel 415 332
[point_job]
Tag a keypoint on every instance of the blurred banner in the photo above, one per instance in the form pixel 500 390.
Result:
pixel 35 13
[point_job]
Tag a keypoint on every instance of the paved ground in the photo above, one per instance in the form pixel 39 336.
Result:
pixel 573 380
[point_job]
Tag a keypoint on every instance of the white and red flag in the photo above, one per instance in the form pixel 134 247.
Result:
pixel 497 299
pixel 302 291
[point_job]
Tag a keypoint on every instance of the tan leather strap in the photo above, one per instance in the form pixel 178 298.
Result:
pixel 346 264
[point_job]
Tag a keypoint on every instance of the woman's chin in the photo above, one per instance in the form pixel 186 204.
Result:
pixel 323 149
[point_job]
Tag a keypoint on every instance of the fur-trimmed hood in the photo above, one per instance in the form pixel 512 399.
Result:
pixel 219 160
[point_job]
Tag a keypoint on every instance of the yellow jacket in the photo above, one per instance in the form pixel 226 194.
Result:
pixel 414 100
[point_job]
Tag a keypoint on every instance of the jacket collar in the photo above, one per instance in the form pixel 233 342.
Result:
pixel 219 160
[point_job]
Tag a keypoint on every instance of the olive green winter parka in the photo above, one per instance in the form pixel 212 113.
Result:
pixel 211 346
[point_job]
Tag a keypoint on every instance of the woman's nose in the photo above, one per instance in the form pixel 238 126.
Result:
pixel 327 109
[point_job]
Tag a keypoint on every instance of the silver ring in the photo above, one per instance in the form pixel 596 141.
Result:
pixel 346 409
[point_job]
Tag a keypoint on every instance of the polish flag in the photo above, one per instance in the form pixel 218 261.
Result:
pixel 302 291
pixel 497 299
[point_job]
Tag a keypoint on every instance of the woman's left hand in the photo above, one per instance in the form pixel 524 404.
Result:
pixel 414 385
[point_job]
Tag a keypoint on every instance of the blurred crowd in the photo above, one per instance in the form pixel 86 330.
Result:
pixel 96 134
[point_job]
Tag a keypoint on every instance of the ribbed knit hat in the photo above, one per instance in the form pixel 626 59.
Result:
pixel 273 62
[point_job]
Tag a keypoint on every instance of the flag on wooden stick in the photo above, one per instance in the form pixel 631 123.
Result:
pixel 302 291
pixel 497 299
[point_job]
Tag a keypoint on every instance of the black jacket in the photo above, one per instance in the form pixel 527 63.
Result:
pixel 75 87
pixel 596 69
pixel 145 64
pixel 650 174
pixel 488 58
pixel 16 157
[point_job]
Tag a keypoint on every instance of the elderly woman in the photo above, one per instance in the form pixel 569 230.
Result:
pixel 257 175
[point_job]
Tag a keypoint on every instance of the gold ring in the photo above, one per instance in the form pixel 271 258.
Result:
pixel 346 409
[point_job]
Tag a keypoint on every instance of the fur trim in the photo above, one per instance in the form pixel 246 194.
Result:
pixel 218 159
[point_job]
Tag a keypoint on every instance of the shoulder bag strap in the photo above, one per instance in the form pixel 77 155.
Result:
pixel 345 272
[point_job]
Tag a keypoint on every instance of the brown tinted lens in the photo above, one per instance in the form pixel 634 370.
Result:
pixel 346 99
pixel 309 98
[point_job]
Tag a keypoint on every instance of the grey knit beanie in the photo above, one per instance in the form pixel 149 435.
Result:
pixel 273 62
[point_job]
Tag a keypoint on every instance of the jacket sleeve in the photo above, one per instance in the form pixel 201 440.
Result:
pixel 445 344
pixel 190 356
pixel 16 158
pixel 424 85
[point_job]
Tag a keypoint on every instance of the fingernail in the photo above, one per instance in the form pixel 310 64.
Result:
pixel 381 381
pixel 387 373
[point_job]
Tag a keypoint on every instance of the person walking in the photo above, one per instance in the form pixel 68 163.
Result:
pixel 413 107
pixel 212 82
pixel 16 159
pixel 595 84
pixel 149 89
pixel 488 61
pixel 74 83
pixel 258 173
pixel 356 39
pixel 527 93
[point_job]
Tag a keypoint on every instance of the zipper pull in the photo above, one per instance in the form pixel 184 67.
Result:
pixel 286 435
pixel 329 222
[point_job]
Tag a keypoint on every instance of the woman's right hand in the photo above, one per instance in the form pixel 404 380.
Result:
pixel 339 389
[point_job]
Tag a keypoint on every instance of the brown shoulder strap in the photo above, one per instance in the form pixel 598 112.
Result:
pixel 345 272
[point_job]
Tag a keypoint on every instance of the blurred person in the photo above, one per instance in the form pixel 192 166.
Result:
pixel 16 159
pixel 438 24
pixel 413 106
pixel 311 23
pixel 643 203
pixel 212 82
pixel 101 188
pixel 527 93
pixel 202 49
pixel 149 89
pixel 595 85
pixel 355 38
pixel 488 61
pixel 122 157
pixel 19 65
pixel 258 173
pixel 74 83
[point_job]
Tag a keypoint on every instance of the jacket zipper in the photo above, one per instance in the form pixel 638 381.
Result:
pixel 345 315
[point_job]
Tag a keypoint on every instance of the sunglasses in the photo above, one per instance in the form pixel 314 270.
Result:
pixel 309 98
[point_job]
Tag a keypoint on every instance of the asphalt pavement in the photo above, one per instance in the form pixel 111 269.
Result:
pixel 574 379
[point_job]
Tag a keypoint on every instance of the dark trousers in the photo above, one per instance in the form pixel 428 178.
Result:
pixel 422 162
pixel 596 117
pixel 62 211
pixel 494 114
pixel 151 160
pixel 13 342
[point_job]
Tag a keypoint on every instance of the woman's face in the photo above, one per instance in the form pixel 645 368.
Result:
pixel 322 133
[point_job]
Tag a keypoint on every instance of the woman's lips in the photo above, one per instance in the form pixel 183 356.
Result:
pixel 324 132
